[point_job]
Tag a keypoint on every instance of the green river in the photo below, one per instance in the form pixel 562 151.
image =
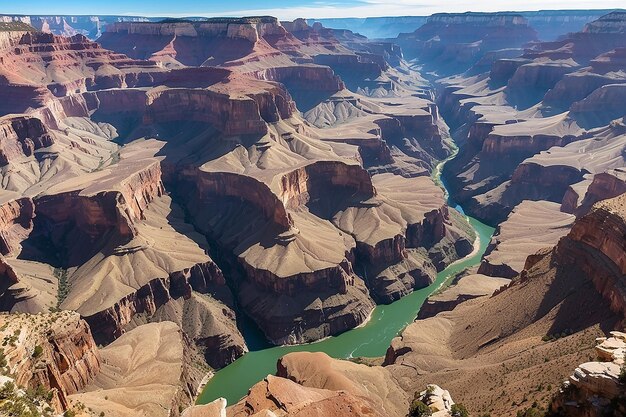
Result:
pixel 371 340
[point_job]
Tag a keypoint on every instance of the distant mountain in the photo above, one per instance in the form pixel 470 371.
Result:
pixel 549 24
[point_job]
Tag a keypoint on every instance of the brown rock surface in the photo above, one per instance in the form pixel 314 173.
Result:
pixel 55 350
pixel 531 226
pixel 604 185
pixel 318 370
pixel 276 396
pixel 146 372
pixel 465 288
pixel 501 338
pixel 16 222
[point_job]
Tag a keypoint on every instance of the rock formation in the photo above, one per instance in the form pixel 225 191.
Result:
pixel 455 42
pixel 54 350
pixel 553 95
pixel 596 388
pixel 147 372
pixel 580 274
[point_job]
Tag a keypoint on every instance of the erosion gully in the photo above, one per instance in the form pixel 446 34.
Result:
pixel 370 340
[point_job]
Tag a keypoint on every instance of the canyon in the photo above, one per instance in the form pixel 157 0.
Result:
pixel 305 221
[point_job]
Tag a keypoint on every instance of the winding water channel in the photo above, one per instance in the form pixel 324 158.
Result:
pixel 371 340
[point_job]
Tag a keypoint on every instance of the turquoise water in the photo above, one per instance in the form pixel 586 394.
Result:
pixel 371 340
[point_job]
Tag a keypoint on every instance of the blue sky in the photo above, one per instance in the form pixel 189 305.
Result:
pixel 289 9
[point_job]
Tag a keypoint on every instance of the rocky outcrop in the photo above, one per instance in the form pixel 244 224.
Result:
pixel 437 399
pixel 55 350
pixel 601 255
pixel 279 396
pixel 604 185
pixel 21 136
pixel 596 388
pixel 319 371
pixel 16 222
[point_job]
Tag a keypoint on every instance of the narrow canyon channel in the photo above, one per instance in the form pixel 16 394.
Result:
pixel 370 340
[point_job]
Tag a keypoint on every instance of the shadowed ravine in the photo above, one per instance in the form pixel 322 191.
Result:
pixel 371 340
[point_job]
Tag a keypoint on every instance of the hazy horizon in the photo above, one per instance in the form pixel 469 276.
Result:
pixel 293 9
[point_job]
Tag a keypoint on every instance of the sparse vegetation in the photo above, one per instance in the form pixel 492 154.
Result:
pixel 555 336
pixel 419 409
pixel 30 404
pixel 622 374
pixel 16 27
pixel 459 410
pixel 64 287
pixel 37 352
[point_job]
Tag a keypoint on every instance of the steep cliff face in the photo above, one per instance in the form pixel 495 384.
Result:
pixel 192 43
pixel 596 244
pixel 299 187
pixel 530 82
pixel 600 107
pixel 245 112
pixel 21 137
pixel 81 218
pixel 246 28
pixel 55 350
pixel 82 224
pixel 603 186
pixel 16 222
pixel 453 43
pixel 304 78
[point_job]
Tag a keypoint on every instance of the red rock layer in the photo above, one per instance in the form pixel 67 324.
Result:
pixel 597 244
pixel 109 324
pixel 16 221
pixel 21 136
pixel 604 186
pixel 59 353
pixel 324 179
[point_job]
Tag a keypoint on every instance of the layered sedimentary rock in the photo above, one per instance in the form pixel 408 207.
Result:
pixel 21 136
pixel 595 389
pixel 201 42
pixel 55 350
pixel 80 65
pixel 553 94
pixel 16 222
pixel 454 42
pixel 69 25
pixel 535 317
pixel 600 235
pixel 131 256
pixel 579 198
